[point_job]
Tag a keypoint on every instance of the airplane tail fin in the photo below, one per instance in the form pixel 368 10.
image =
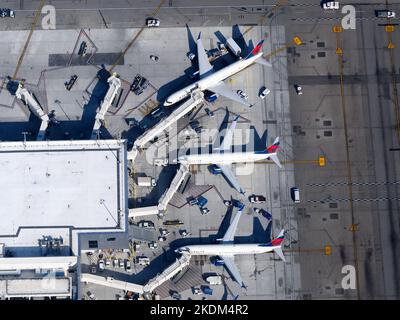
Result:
pixel 272 152
pixel 277 243
pixel 256 49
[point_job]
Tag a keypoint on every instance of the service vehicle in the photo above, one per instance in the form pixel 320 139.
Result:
pixel 152 22
pixel 298 89
pixel 146 182
pixel 295 194
pixel 264 91
pixel 7 13
pixel 330 5
pixel 154 58
pixel 146 224
pixel 385 14
pixel 214 280
pixel 242 94
pixel 128 265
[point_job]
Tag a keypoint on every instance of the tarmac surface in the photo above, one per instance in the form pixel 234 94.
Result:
pixel 348 213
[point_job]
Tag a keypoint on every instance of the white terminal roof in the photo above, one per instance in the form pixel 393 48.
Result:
pixel 77 184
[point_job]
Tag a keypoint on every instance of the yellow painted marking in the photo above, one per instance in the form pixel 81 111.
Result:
pixel 337 29
pixel 328 250
pixel 354 227
pixel 35 21
pixel 391 45
pixel 339 51
pixel 389 28
pixel 322 161
pixel 297 41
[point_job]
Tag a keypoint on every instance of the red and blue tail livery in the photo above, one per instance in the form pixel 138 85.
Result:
pixel 256 50
pixel 275 146
pixel 278 240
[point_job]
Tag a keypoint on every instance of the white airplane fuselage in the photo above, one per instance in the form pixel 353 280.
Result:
pixel 212 79
pixel 223 158
pixel 227 249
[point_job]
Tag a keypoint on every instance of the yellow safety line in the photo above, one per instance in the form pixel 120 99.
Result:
pixel 349 171
pixel 21 57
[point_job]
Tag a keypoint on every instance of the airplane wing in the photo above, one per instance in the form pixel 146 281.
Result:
pixel 222 89
pixel 229 263
pixel 204 64
pixel 227 172
pixel 230 233
pixel 227 143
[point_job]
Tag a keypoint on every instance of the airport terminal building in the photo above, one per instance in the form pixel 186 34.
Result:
pixel 54 192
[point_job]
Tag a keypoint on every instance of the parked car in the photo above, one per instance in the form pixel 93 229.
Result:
pixel 242 94
pixel 115 263
pixel 385 14
pixel 108 262
pixel 298 89
pixel 101 265
pixel 7 13
pixel 257 199
pixel 152 22
pixel 264 91
pixel 121 263
pixel 330 5
pixel 154 58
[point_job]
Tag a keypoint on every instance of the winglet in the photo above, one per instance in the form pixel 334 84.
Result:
pixel 273 147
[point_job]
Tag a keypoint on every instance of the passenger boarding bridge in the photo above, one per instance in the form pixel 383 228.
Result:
pixel 24 95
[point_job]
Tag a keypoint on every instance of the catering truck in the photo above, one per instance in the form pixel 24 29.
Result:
pixel 233 46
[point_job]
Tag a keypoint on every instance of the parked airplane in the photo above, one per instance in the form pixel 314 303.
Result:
pixel 223 158
pixel 227 249
pixel 213 81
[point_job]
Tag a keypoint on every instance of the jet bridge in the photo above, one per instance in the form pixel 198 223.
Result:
pixel 176 182
pixel 114 86
pixel 196 98
pixel 168 273
pixel 24 95
pixel 112 283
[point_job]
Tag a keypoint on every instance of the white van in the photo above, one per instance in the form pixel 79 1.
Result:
pixel 295 194
pixel 214 280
